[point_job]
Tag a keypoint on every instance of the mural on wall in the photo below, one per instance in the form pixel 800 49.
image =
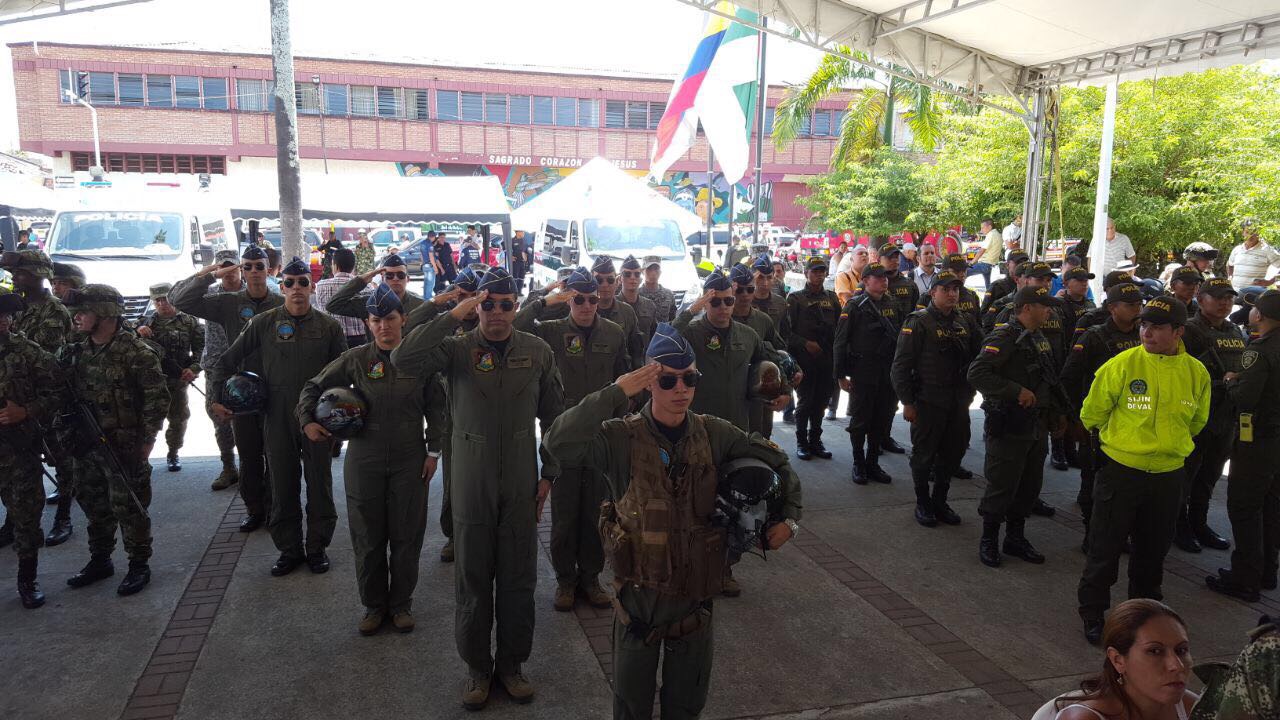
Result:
pixel 522 183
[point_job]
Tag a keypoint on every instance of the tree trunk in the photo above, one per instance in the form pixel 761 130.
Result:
pixel 286 116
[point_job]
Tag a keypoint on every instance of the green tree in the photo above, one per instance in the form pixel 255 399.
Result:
pixel 875 197
pixel 868 123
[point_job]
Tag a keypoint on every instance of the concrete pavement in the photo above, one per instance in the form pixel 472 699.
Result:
pixel 866 615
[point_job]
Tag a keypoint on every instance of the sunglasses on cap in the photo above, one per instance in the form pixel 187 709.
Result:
pixel 300 282
pixel 254 266
pixel 579 299
pixel 396 275
pixel 605 279
pixel 489 305
pixel 744 289
pixel 718 301
pixel 668 381
pixel 630 273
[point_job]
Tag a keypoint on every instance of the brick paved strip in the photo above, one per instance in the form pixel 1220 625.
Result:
pixel 158 692
pixel 596 625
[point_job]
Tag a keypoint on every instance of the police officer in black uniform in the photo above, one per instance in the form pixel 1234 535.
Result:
pixel 1006 285
pixel 901 289
pixel 1018 378
pixel 1184 284
pixel 865 339
pixel 810 329
pixel 968 303
pixel 929 370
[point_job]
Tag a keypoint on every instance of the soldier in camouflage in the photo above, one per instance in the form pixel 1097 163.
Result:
pixel 117 375
pixel 29 396
pixel 66 277
pixel 1248 689
pixel 180 339
pixel 216 343
pixel 662 298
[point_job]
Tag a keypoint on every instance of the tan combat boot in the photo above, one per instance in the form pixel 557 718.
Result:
pixel 517 685
pixel 446 552
pixel 564 597
pixel 476 691
pixel 731 587
pixel 596 596
pixel 226 479
pixel 403 621
pixel 372 621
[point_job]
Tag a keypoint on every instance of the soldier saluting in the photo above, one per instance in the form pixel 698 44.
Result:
pixel 661 465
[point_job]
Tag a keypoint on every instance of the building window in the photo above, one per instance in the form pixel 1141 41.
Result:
pixel 822 123
pixel 102 88
pixel 446 105
pixel 589 113
pixel 837 123
pixel 473 107
pixel 254 95
pixel 518 107
pixel 390 102
pixel 495 108
pixel 215 93
pixel 768 121
pixel 363 100
pixel 655 114
pixel 615 114
pixel 543 110
pixel 306 98
pixel 152 163
pixel 159 91
pixel 66 85
pixel 566 112
pixel 187 90
pixel 335 99
pixel 637 116
pixel 806 126
pixel 418 105
pixel 130 90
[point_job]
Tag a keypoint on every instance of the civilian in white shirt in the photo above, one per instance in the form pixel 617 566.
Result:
pixel 1251 261
pixel 1012 234
pixel 1119 249
pixel 923 275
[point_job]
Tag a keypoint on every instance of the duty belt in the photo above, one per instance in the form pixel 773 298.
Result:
pixel 651 634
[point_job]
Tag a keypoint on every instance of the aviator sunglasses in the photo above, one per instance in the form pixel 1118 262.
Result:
pixel 605 279
pixel 396 275
pixel 489 305
pixel 300 282
pixel 254 266
pixel 579 299
pixel 667 382
pixel 718 301
pixel 744 289
pixel 630 273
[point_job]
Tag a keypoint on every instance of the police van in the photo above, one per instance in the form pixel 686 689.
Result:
pixel 132 240
pixel 562 242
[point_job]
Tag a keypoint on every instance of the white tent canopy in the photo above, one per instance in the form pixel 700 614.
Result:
pixel 22 198
pixel 599 188
pixel 373 200
pixel 15 11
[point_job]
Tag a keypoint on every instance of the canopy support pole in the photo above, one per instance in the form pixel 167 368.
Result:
pixel 762 93
pixel 1033 187
pixel 1102 201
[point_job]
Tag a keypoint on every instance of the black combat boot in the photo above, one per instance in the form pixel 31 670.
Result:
pixel 924 505
pixel 6 533
pixel 802 439
pixel 53 497
pixel 99 568
pixel 1057 454
pixel 1017 545
pixel 137 578
pixel 860 476
pixel 1227 584
pixel 1205 534
pixel 941 509
pixel 815 444
pixel 989 546
pixel 874 471
pixel 61 529
pixel 1183 536
pixel 890 445
pixel 175 464
pixel 1043 509
pixel 28 588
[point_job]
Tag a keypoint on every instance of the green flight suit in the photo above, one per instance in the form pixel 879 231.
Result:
pixel 386 494
pixel 350 299
pixel 725 359
pixel 761 419
pixel 495 394
pixel 593 435
pixel 291 351
pixel 232 311
pixel 588 360
pixel 646 315
pixel 622 314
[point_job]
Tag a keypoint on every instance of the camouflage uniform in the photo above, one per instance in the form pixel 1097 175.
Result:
pixel 122 383
pixel 28 377
pixel 181 341
pixel 663 299
pixel 216 343
pixel 46 322
pixel 1249 689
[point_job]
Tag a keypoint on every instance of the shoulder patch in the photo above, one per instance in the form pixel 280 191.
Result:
pixel 1248 358
pixel 994 350
pixel 906 331
pixel 1077 347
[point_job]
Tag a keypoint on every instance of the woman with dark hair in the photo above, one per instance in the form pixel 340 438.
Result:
pixel 1144 675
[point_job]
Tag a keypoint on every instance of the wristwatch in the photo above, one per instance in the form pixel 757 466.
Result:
pixel 795 527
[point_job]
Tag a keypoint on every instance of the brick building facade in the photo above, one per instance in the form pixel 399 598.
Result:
pixel 186 111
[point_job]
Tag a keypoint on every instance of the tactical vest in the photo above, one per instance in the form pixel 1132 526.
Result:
pixel 659 536
pixel 943 365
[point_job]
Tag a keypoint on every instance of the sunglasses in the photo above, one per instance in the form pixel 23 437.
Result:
pixel 396 275
pixel 489 305
pixel 300 282
pixel 579 299
pixel 667 382
pixel 744 289
pixel 630 273
pixel 255 266
pixel 718 301
pixel 605 279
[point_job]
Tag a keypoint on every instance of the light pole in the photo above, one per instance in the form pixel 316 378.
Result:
pixel 324 149
pixel 96 171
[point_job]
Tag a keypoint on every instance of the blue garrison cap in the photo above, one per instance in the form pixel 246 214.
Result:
pixel 740 275
pixel 296 267
pixel 716 281
pixel 582 281
pixel 468 280
pixel 393 260
pixel 631 263
pixel 497 281
pixel 383 301
pixel 669 348
pixel 603 265
pixel 253 252
pixel 762 264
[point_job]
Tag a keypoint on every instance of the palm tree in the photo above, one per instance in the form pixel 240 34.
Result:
pixel 868 123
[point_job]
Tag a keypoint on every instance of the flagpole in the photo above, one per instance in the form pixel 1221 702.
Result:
pixel 762 91
pixel 711 194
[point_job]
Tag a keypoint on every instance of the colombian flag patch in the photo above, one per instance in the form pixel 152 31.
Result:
pixel 1077 347
pixel 991 349
pixel 906 331
pixel 844 316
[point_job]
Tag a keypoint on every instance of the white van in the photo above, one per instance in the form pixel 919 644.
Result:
pixel 133 240
pixel 580 241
